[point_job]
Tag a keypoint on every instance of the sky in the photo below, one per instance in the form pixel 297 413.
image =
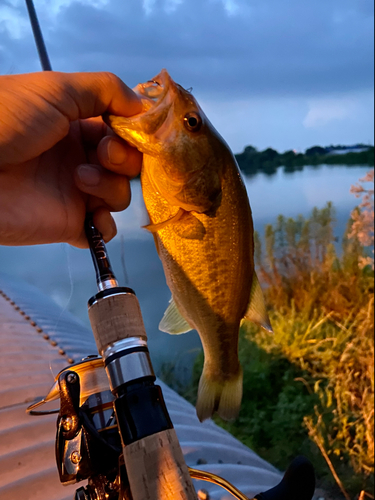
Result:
pixel 287 74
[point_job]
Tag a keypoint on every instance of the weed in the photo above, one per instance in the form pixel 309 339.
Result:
pixel 309 388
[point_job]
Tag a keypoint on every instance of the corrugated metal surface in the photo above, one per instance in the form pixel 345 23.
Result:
pixel 27 458
pixel 37 340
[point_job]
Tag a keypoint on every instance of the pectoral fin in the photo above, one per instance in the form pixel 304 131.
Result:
pixel 185 224
pixel 173 322
pixel 154 228
pixel 257 311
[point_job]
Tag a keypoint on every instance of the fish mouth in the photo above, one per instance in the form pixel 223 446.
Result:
pixel 155 89
pixel 157 99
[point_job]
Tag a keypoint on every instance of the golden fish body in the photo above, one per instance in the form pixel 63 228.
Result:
pixel 201 220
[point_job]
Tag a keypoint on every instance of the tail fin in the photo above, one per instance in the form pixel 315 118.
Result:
pixel 223 397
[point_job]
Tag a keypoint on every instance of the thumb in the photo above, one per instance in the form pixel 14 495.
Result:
pixel 93 94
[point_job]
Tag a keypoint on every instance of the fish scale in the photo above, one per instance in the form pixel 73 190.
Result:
pixel 210 280
pixel 201 220
pixel 219 275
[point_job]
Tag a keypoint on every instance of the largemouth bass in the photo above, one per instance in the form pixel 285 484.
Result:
pixel 202 224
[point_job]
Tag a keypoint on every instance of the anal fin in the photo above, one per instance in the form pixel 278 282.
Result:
pixel 173 322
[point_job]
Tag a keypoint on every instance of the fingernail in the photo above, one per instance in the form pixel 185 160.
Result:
pixel 89 175
pixel 111 231
pixel 116 152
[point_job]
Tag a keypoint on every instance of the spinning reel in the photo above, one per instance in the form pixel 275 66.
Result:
pixel 113 427
pixel 88 444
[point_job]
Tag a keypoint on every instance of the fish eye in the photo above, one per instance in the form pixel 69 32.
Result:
pixel 193 122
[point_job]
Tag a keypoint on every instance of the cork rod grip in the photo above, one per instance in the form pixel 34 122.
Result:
pixel 115 318
pixel 157 470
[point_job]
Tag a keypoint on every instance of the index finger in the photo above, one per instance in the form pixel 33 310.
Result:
pixel 93 94
pixel 37 108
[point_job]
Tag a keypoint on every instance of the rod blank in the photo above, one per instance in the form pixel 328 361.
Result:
pixel 41 46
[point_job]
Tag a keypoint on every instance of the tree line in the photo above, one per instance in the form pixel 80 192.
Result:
pixel 251 161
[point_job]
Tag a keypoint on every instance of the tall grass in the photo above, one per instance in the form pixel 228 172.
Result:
pixel 323 315
pixel 310 387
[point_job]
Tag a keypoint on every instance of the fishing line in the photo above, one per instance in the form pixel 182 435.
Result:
pixel 65 308
pixel 65 247
pixel 70 274
pixel 51 370
pixel 46 66
pixel 122 252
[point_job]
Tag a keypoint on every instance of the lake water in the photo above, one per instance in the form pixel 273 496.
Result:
pixel 67 275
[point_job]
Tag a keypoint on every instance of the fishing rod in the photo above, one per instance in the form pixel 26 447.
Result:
pixel 38 36
pixel 131 453
pixel 113 426
pixel 151 463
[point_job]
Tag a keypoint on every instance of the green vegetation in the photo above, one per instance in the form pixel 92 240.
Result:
pixel 309 388
pixel 268 161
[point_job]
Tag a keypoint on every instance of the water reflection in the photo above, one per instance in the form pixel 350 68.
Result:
pixel 67 274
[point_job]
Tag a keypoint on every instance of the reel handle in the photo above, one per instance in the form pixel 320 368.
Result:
pixel 157 470
pixel 298 483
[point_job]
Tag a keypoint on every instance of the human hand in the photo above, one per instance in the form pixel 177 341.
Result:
pixel 59 160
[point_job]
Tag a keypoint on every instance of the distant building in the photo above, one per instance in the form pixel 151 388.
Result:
pixel 343 150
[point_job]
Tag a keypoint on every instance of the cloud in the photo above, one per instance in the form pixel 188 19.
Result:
pixel 231 6
pixel 324 111
pixel 148 5
pixel 170 6
pixel 11 23
pixel 277 121
pixel 284 54
pixel 221 46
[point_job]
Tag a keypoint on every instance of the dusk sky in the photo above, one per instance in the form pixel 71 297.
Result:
pixel 271 73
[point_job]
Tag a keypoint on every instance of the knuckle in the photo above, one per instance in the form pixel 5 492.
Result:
pixel 111 79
